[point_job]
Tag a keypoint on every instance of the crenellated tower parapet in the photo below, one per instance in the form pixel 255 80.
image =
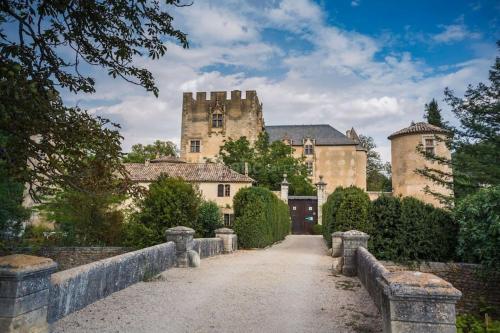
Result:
pixel 208 122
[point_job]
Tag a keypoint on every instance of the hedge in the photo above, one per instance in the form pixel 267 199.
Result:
pixel 479 218
pixel 261 219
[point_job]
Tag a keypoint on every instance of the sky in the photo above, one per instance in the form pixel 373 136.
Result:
pixel 371 65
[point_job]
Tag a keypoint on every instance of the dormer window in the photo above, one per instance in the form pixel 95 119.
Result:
pixel 308 149
pixel 217 120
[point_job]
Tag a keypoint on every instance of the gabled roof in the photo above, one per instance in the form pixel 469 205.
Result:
pixel 191 172
pixel 419 128
pixel 323 134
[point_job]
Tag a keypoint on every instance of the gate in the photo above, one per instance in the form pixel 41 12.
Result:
pixel 304 213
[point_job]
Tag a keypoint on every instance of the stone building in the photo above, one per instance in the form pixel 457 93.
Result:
pixel 405 159
pixel 216 182
pixel 206 124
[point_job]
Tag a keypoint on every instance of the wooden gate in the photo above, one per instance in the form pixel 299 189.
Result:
pixel 304 213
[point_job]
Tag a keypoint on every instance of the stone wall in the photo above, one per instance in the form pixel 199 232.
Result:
pixel 208 247
pixel 370 272
pixel 73 289
pixel 477 291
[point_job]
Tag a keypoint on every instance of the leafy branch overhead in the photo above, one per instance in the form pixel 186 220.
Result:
pixel 55 40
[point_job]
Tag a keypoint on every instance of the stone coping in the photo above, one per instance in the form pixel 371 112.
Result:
pixel 18 266
pixel 224 231
pixel 179 230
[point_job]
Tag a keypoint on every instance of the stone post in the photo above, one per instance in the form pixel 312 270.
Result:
pixel 229 238
pixel 351 240
pixel 24 293
pixel 183 239
pixel 320 190
pixel 337 244
pixel 284 189
pixel 418 302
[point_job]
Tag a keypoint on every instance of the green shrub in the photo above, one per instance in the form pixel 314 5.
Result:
pixel 169 202
pixel 137 235
pixel 209 219
pixel 317 229
pixel 470 324
pixel 352 213
pixel 385 216
pixel 261 219
pixel 329 211
pixel 478 216
pixel 408 229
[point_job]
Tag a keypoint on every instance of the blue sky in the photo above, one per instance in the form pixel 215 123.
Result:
pixel 368 64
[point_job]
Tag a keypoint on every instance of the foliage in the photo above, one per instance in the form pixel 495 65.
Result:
pixel 317 229
pixel 209 218
pixel 169 202
pixel 469 324
pixel 267 162
pixel 54 44
pixel 378 174
pixel 140 153
pixel 432 114
pixel 475 143
pixel 402 230
pixel 261 219
pixel 352 213
pixel 478 216
pixel 329 212
pixel 137 235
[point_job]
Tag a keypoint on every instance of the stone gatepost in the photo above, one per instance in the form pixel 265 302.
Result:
pixel 351 240
pixel 418 302
pixel 24 293
pixel 284 189
pixel 229 238
pixel 320 192
pixel 183 239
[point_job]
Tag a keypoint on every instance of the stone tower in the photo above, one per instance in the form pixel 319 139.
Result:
pixel 207 123
pixel 406 159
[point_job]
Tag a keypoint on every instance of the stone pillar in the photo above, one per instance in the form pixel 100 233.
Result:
pixel 337 244
pixel 418 302
pixel 351 240
pixel 24 293
pixel 320 190
pixel 183 239
pixel 284 189
pixel 229 238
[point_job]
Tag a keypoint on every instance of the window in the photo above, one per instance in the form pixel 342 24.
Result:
pixel 309 165
pixel 195 146
pixel 294 208
pixel 228 220
pixel 429 145
pixel 308 149
pixel 217 119
pixel 223 190
pixel 309 208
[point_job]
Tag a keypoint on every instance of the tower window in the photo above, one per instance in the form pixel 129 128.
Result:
pixel 308 149
pixel 217 120
pixel 195 146
pixel 429 145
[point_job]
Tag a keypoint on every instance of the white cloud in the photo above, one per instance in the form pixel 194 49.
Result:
pixel 455 33
pixel 355 3
pixel 341 80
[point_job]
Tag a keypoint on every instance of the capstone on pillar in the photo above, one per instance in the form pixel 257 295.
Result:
pixel 183 239
pixel 284 189
pixel 229 238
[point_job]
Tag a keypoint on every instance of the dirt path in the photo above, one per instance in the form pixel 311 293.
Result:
pixel 286 288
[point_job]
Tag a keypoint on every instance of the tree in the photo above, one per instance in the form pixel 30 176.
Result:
pixel 169 202
pixel 209 218
pixel 55 42
pixel 140 153
pixel 267 162
pixel 433 114
pixel 377 172
pixel 475 143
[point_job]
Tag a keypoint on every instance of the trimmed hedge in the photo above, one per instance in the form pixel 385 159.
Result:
pixel 345 209
pixel 408 229
pixel 261 219
pixel 479 218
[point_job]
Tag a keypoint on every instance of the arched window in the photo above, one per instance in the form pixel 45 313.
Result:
pixel 220 190
pixel 217 120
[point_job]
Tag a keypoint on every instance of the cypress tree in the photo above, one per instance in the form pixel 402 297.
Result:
pixel 433 114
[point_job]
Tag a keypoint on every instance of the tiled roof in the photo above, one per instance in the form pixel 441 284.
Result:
pixel 419 128
pixel 191 172
pixel 171 159
pixel 322 134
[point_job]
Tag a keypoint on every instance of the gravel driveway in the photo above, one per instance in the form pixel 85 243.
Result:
pixel 286 288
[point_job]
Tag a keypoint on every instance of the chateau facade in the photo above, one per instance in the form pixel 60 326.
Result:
pixel 208 123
